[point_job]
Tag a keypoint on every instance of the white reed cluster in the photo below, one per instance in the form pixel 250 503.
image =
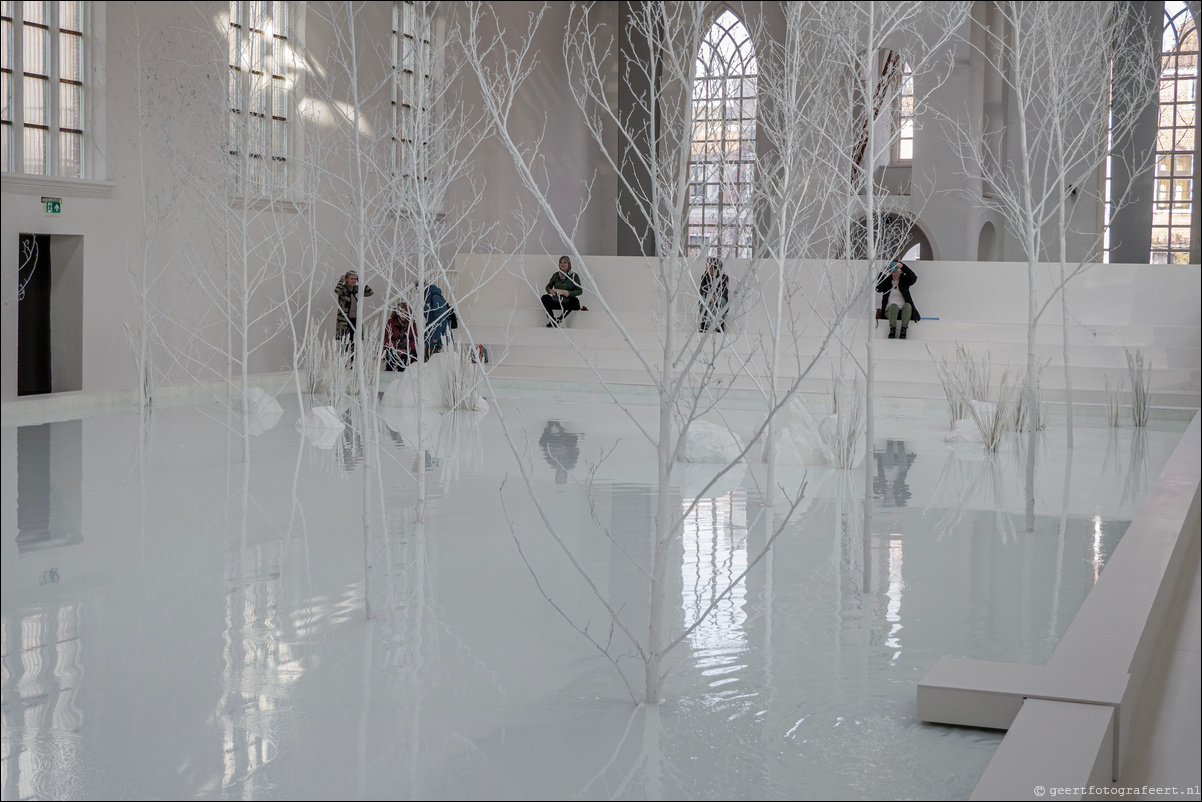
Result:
pixel 842 439
pixel 464 379
pixel 1114 401
pixel 1139 386
pixel 971 395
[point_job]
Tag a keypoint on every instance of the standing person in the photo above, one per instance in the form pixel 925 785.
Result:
pixel 562 293
pixel 715 296
pixel 894 286
pixel 400 338
pixel 438 315
pixel 348 306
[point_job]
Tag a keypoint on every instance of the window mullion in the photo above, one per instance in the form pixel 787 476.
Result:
pixel 18 87
pixel 53 92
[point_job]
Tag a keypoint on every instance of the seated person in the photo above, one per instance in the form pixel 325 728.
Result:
pixel 715 296
pixel 400 338
pixel 894 286
pixel 563 293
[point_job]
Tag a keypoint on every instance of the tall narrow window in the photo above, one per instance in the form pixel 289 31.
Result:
pixel 43 88
pixel 1173 191
pixel 722 159
pixel 412 57
pixel 905 116
pixel 260 94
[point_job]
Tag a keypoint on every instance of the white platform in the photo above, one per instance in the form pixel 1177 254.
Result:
pixel 1071 721
pixel 983 306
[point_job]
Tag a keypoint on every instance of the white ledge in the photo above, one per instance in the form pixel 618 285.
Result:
pixel 49 184
pixel 263 203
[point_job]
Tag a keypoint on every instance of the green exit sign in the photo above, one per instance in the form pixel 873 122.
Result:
pixel 53 205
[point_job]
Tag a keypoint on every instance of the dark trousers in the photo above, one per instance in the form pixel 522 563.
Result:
pixel 562 304
pixel 348 336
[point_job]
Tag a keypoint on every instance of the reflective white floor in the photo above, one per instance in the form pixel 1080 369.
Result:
pixel 175 627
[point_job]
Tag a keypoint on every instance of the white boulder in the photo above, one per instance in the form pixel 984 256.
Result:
pixel 798 439
pixel 709 442
pixel 965 431
pixel 320 418
pixel 438 383
pixel 261 402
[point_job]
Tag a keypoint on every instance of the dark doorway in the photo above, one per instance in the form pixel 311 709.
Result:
pixel 33 315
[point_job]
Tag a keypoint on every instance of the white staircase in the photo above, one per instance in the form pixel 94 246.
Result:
pixel 1152 308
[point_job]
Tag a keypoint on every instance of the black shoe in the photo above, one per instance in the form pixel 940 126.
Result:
pixel 550 324
pixel 893 332
pixel 902 336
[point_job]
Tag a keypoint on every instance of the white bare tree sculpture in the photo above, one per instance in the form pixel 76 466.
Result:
pixel 1059 61
pixel 683 370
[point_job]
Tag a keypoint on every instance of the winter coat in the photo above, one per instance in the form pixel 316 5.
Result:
pixel 715 297
pixel 565 281
pixel 885 283
pixel 438 318
pixel 400 334
pixel 346 299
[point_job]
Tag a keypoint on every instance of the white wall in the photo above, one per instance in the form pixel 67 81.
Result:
pixel 184 74
pixel 181 65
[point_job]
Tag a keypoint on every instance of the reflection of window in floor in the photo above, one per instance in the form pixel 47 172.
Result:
pixel 715 553
pixel 893 611
pixel 261 661
pixel 43 673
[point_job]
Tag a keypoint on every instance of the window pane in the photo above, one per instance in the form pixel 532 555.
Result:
pixel 36 55
pixel 6 34
pixel 6 92
pixel 279 99
pixel 36 92
pixel 71 155
pixel 6 147
pixel 37 12
pixel 70 107
pixel 36 161
pixel 279 138
pixel 70 16
pixel 70 59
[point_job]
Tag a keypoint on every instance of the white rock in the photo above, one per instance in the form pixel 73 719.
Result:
pixel 261 402
pixel 323 438
pixel 965 431
pixel 402 392
pixel 320 418
pixel 709 442
pixel 798 440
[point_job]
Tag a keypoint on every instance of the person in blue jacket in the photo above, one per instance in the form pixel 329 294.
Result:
pixel 440 319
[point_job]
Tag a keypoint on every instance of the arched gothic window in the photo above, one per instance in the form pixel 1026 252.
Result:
pixel 722 161
pixel 1173 194
pixel 905 116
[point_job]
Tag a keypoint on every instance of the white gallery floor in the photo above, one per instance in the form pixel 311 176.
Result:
pixel 176 624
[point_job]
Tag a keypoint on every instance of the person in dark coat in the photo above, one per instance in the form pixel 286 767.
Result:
pixel 894 286
pixel 715 296
pixel 438 315
pixel 562 293
pixel 400 338
pixel 348 304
